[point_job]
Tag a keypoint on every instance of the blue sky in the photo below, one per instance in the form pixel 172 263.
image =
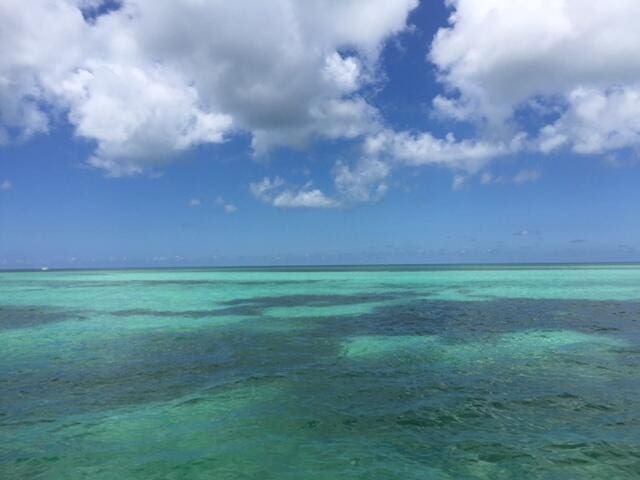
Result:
pixel 372 144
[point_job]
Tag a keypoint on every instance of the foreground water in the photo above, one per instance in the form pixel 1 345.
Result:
pixel 374 373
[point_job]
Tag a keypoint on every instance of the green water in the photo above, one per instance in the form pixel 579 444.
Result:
pixel 321 373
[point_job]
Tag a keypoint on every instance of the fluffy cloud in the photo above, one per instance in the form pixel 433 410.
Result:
pixel 155 77
pixel 596 121
pixel 416 149
pixel 137 116
pixel 571 64
pixel 387 150
pixel 366 180
pixel 275 192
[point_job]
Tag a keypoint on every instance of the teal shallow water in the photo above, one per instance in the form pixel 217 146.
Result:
pixel 367 373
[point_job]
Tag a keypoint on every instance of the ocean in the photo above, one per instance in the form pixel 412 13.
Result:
pixel 395 372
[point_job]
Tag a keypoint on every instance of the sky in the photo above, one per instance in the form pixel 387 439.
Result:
pixel 143 133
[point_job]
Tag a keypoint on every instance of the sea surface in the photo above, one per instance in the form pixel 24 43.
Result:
pixel 484 372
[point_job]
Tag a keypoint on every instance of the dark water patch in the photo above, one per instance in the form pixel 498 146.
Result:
pixel 257 306
pixel 524 412
pixel 156 367
pixel 484 318
pixel 229 283
pixel 146 312
pixel 311 300
pixel 241 310
pixel 26 316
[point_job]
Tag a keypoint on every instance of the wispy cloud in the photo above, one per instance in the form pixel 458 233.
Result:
pixel 522 177
pixel 194 202
pixel 226 206
pixel 526 176
pixel 6 185
pixel 230 208
pixel 526 233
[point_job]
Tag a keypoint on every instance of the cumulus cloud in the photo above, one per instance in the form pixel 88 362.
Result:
pixel 416 149
pixel 144 80
pixel 596 121
pixel 388 150
pixel 275 192
pixel 155 77
pixel 569 65
pixel 366 179
pixel 573 65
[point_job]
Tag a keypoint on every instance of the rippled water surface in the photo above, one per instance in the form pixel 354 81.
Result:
pixel 338 373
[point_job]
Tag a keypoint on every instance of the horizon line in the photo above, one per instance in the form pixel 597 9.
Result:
pixel 45 269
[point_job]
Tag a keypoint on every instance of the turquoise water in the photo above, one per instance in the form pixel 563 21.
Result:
pixel 321 373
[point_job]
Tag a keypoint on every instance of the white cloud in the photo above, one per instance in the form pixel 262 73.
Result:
pixel 137 116
pixel 305 198
pixel 6 185
pixel 487 178
pixel 596 121
pixel 572 64
pixel 527 176
pixel 388 150
pixel 265 188
pixel 230 208
pixel 521 177
pixel 156 77
pixel 343 73
pixel 366 179
pixel 194 202
pixel 458 182
pixel 362 183
pixel 416 149
pixel 227 207
pixel 525 233
pixel 276 193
